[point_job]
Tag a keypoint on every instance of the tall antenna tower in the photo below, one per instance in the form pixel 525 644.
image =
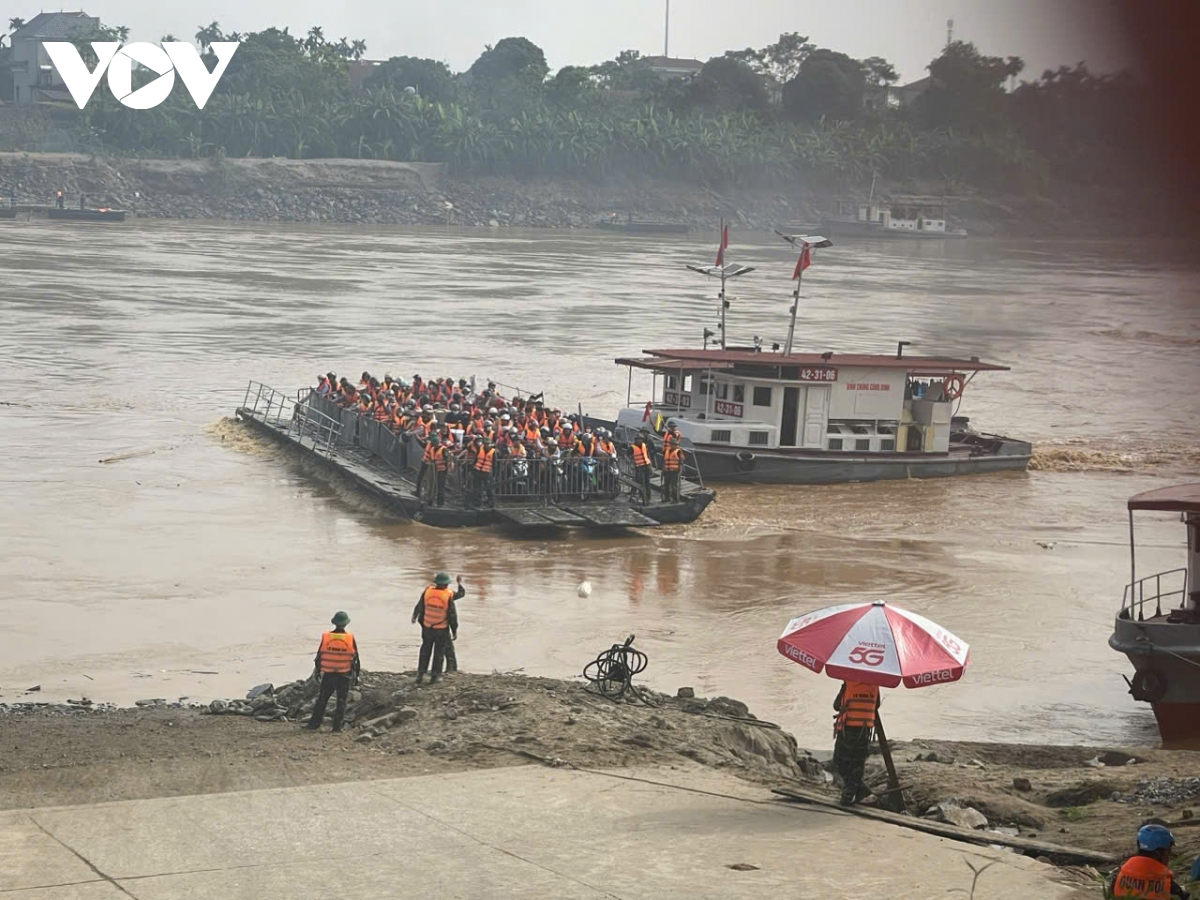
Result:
pixel 667 32
pixel 949 30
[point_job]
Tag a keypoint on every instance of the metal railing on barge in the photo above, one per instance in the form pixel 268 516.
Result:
pixel 1141 592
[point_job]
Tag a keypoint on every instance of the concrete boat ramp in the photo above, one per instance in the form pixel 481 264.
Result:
pixel 529 832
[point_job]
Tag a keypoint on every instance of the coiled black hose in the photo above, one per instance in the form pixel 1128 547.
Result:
pixel 612 671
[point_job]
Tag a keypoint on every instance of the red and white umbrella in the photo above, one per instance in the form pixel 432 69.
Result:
pixel 874 643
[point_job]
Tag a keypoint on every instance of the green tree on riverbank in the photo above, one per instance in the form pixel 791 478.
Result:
pixel 789 111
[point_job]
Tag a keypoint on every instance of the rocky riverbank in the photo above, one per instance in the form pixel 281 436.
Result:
pixel 80 752
pixel 369 192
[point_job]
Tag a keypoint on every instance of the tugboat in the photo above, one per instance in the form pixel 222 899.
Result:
pixel 1160 639
pixel 526 493
pixel 784 417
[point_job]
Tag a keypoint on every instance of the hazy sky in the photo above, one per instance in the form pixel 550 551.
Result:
pixel 908 32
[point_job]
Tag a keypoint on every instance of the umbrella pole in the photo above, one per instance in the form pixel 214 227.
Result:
pixel 886 751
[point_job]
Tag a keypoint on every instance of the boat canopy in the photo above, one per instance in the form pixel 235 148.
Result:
pixel 727 359
pixel 663 364
pixel 1178 498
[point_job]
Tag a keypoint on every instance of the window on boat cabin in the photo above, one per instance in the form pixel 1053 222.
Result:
pixel 835 443
pixel 687 384
pixel 706 386
pixel 672 382
pixel 739 393
pixel 762 397
pixel 759 438
pixel 887 445
pixel 722 436
pixel 862 444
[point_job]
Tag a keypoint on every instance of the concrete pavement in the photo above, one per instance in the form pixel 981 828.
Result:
pixel 529 832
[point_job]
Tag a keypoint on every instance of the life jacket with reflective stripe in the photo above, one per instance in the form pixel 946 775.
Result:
pixel 858 705
pixel 439 458
pixel 606 448
pixel 671 458
pixel 437 607
pixel 337 652
pixel 1143 878
pixel 483 460
pixel 427 456
pixel 641 455
pixel 381 413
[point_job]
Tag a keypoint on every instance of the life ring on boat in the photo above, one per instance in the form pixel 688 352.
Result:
pixel 1148 685
pixel 744 460
pixel 953 385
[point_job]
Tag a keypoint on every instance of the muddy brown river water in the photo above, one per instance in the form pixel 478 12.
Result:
pixel 196 562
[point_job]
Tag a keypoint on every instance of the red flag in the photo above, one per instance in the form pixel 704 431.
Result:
pixel 802 263
pixel 724 243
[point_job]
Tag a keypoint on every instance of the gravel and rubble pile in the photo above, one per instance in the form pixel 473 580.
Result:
pixel 1162 791
pixel 557 722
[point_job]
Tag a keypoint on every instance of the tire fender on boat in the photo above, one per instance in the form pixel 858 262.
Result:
pixel 953 385
pixel 745 460
pixel 1148 685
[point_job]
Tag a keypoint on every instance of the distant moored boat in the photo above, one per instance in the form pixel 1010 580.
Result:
pixel 86 215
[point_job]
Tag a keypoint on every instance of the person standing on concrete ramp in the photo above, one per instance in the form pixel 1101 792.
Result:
pixel 337 661
pixel 856 704
pixel 439 624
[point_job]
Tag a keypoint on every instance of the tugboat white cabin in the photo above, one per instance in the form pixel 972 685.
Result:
pixel 807 418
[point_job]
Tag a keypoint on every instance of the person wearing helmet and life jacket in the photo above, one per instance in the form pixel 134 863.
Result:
pixel 439 625
pixel 672 435
pixel 485 457
pixel 856 705
pixel 643 462
pixel 338 663
pixel 672 468
pixel 1146 875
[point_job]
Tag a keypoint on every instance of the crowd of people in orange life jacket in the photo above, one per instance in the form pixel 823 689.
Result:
pixel 478 428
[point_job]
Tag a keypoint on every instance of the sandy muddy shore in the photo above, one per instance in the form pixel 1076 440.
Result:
pixel 55 755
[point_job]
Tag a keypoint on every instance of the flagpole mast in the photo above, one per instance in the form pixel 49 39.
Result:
pixel 722 284
pixel 787 348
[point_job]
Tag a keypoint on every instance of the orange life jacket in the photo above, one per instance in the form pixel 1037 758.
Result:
pixel 439 458
pixel 437 607
pixel 532 433
pixel 606 448
pixel 858 705
pixel 669 438
pixel 671 458
pixel 518 450
pixel 337 652
pixel 483 460
pixel 641 455
pixel 1143 878
pixel 428 455
pixel 381 413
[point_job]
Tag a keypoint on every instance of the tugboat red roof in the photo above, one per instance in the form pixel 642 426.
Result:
pixel 724 359
pixel 1177 498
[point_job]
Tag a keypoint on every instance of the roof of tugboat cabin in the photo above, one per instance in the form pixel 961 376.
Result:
pixel 727 359
pixel 1177 498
